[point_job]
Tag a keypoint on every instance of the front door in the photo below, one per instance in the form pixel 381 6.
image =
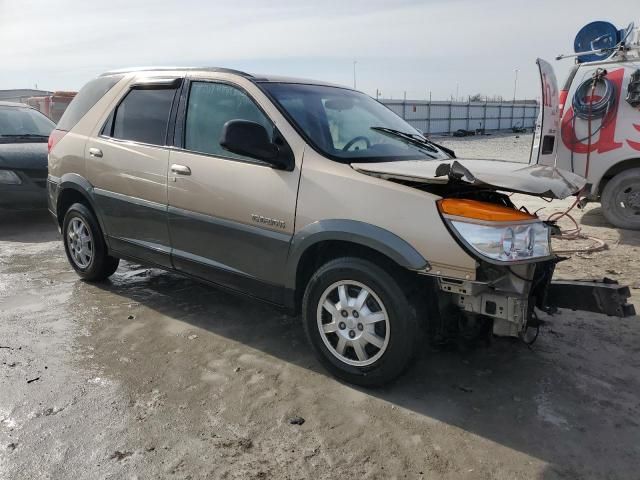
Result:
pixel 231 218
pixel 127 165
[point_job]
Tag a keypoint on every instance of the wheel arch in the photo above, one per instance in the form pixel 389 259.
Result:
pixel 75 188
pixel 615 169
pixel 325 240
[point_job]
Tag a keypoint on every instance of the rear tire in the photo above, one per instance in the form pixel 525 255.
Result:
pixel 85 246
pixel 621 200
pixel 359 321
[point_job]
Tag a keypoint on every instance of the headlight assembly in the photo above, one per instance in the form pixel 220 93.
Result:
pixel 7 177
pixel 506 243
pixel 495 232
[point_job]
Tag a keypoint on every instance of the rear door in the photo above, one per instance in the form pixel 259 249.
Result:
pixel 231 217
pixel 546 135
pixel 127 164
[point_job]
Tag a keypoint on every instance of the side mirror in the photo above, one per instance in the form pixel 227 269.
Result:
pixel 252 140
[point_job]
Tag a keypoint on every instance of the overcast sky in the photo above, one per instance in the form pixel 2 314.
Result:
pixel 400 45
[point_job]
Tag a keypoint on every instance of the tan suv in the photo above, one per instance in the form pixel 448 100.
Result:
pixel 310 196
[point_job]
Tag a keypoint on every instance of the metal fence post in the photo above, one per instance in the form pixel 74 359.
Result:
pixel 484 116
pixel 429 115
pixel 468 111
pixel 450 115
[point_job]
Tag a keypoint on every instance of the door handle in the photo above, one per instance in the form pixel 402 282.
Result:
pixel 180 169
pixel 95 152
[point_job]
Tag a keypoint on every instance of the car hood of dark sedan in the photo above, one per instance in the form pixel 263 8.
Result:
pixel 32 156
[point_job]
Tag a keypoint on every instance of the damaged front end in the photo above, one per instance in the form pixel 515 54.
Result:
pixel 515 265
pixel 512 248
pixel 501 301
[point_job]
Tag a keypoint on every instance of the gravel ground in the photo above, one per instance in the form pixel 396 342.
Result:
pixel 152 375
pixel 501 146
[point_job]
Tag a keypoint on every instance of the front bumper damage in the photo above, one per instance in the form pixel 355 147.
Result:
pixel 508 297
pixel 508 311
pixel 604 296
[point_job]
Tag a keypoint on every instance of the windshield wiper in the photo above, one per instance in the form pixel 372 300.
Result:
pixel 415 139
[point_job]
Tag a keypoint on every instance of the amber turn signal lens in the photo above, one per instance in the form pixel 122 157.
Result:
pixel 481 210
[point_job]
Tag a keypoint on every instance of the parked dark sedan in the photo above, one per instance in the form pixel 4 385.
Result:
pixel 24 132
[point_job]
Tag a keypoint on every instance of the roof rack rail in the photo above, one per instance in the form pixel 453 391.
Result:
pixel 165 69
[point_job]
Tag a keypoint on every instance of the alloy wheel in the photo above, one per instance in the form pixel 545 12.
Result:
pixel 80 242
pixel 353 323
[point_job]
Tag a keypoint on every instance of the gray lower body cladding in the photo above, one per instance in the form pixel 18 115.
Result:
pixel 239 257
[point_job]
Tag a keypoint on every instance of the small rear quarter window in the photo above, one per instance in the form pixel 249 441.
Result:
pixel 86 98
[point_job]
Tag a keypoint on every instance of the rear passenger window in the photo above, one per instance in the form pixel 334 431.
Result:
pixel 143 116
pixel 210 106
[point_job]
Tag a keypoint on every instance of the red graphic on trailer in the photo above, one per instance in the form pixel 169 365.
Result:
pixel 632 144
pixel 606 136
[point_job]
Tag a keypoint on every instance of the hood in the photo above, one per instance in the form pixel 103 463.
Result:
pixel 23 156
pixel 539 177
pixel 538 180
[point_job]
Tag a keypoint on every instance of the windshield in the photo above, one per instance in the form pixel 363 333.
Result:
pixel 350 126
pixel 26 122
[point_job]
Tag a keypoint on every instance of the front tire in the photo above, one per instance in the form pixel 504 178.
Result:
pixel 621 200
pixel 360 322
pixel 85 246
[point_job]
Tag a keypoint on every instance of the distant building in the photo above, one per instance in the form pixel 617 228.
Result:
pixel 21 95
pixel 52 104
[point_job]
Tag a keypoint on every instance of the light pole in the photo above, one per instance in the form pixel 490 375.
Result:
pixel 457 85
pixel 513 104
pixel 354 74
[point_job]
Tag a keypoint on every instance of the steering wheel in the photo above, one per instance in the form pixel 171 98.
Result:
pixel 350 143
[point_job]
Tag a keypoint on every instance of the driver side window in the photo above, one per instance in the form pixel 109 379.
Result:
pixel 210 106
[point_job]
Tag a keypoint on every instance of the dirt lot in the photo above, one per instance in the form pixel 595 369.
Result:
pixel 151 375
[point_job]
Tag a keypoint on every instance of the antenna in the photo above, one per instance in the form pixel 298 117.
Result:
pixel 626 33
